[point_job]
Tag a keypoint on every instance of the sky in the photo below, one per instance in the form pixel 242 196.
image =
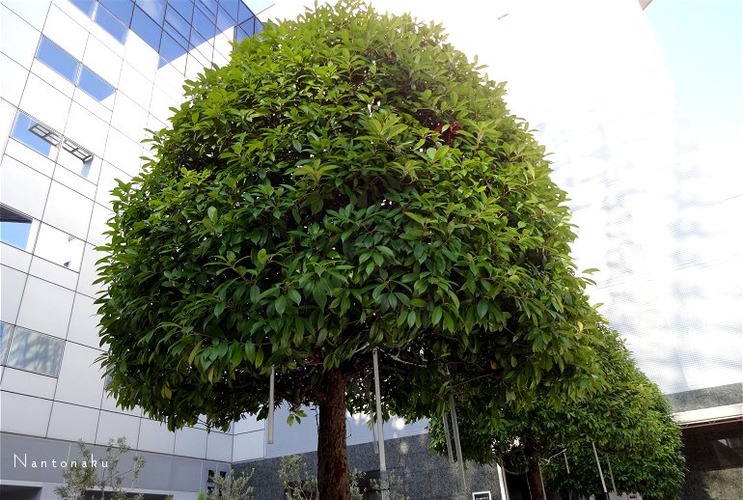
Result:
pixel 701 43
pixel 702 46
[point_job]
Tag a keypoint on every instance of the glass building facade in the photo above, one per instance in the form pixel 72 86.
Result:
pixel 81 81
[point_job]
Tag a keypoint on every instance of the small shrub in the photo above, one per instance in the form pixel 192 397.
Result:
pixel 101 477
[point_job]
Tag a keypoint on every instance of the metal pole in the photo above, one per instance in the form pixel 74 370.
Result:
pixel 457 440
pixel 373 415
pixel 598 464
pixel 378 397
pixel 271 384
pixel 611 475
pixel 447 435
pixel 503 484
pixel 541 480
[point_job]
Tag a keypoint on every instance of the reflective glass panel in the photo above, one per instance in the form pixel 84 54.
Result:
pixel 147 29
pixel 248 26
pixel 203 23
pixel 231 7
pixel 244 13
pixel 154 8
pixel 120 8
pixel 84 5
pixel 209 6
pixel 169 49
pixel 111 24
pixel 177 22
pixel 175 35
pixel 35 352
pixel 59 247
pixel 59 60
pixel 196 38
pixel 15 227
pixel 240 34
pixel 26 130
pixel 6 332
pixel 224 21
pixel 184 8
pixel 94 85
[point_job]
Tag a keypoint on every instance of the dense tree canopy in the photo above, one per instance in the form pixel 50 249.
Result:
pixel 629 422
pixel 348 181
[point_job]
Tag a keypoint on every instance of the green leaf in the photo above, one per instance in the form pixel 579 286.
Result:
pixel 482 309
pixel 294 296
pixel 194 352
pixel 280 305
pixel 436 315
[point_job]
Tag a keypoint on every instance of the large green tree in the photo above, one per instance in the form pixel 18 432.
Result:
pixel 628 421
pixel 348 181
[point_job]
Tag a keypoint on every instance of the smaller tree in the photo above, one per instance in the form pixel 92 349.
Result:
pixel 232 487
pixel 102 476
pixel 300 485
pixel 629 422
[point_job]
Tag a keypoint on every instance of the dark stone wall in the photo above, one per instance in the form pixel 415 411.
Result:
pixel 706 398
pixel 714 459
pixel 422 474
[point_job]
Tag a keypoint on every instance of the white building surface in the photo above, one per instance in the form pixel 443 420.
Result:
pixel 83 79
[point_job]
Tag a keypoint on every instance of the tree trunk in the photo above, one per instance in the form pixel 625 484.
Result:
pixel 534 477
pixel 332 458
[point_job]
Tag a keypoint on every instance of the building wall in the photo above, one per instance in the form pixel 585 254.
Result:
pixel 416 474
pixel 81 81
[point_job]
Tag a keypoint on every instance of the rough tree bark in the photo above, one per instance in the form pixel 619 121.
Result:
pixel 534 476
pixel 332 457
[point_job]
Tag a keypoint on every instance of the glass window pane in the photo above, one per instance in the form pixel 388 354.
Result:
pixel 120 8
pixel 240 34
pixel 196 38
pixel 248 26
pixel 169 49
pixel 244 13
pixel 15 227
pixel 176 35
pixel 154 8
pixel 231 7
pixel 23 130
pixel 6 332
pixel 177 22
pixel 184 8
pixel 59 60
pixel 35 352
pixel 224 21
pixel 147 29
pixel 203 24
pixel 94 84
pixel 209 6
pixel 84 5
pixel 111 24
pixel 59 247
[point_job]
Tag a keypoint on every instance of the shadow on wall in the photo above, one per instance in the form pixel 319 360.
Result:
pixel 714 458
